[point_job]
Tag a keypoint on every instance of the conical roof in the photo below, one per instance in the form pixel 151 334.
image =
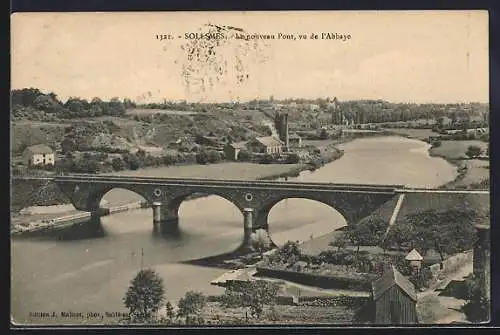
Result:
pixel 414 256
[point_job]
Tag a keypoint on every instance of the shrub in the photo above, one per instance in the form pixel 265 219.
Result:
pixel 202 158
pixel 118 164
pixel 292 159
pixel 266 159
pixel 244 156
pixel 213 156
pixel 474 151
pixel 191 305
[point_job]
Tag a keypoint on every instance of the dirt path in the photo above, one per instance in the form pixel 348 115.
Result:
pixel 438 309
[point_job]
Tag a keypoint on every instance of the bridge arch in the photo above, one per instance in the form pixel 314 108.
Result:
pixel 279 211
pixel 95 198
pixel 175 203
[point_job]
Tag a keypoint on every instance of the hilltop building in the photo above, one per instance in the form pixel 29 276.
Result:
pixel 39 154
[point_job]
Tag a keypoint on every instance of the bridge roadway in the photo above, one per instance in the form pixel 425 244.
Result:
pixel 206 182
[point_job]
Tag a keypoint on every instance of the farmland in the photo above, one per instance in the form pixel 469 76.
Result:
pixel 456 149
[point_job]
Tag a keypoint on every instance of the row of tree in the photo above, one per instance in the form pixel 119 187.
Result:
pixel 358 111
pixel 26 99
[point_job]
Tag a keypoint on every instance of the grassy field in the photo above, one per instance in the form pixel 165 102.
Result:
pixel 477 171
pixel 420 134
pixel 455 149
pixel 142 111
pixel 215 171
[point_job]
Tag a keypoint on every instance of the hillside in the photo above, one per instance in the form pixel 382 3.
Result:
pixel 134 131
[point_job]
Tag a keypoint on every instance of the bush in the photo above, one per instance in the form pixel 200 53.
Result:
pixel 292 159
pixel 202 158
pixel 118 164
pixel 213 156
pixel 133 162
pixel 474 151
pixel 244 156
pixel 436 144
pixel 191 305
pixel 266 159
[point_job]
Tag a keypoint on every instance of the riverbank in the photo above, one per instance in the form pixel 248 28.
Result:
pixel 229 170
pixel 472 173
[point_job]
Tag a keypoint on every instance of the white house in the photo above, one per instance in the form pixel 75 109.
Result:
pixel 39 154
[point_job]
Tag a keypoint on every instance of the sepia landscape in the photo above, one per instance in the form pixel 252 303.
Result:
pixel 180 173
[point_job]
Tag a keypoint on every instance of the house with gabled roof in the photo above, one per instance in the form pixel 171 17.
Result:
pixel 39 154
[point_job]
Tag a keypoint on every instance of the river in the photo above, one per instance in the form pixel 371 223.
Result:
pixel 92 274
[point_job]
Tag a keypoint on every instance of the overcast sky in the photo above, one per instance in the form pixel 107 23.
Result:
pixel 396 56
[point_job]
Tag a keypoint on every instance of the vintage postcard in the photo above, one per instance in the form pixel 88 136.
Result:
pixel 250 168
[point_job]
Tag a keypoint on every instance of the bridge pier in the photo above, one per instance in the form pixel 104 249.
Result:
pixel 248 219
pixel 164 220
pixel 252 223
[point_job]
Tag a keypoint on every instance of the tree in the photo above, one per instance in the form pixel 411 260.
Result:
pixel 202 158
pixel 46 103
pixel 447 232
pixel 477 306
pixel 323 135
pixel 252 295
pixel 191 305
pixel 77 107
pixel 366 232
pixel 132 161
pixel 141 154
pixel 244 155
pixel 170 311
pixel 145 296
pixel 290 250
pixel 261 241
pixel 292 159
pixel 473 151
pixel 340 242
pixel 68 145
pixel 266 159
pixel 213 156
pixel 118 164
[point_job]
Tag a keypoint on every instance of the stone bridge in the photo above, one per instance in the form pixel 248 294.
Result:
pixel 254 198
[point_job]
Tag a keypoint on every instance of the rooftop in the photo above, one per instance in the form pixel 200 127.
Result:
pixel 238 145
pixel 269 141
pixel 390 278
pixel 414 256
pixel 40 149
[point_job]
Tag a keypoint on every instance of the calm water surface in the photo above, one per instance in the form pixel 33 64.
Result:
pixel 92 274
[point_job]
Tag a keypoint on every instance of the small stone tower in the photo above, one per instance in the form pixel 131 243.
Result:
pixel 281 124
